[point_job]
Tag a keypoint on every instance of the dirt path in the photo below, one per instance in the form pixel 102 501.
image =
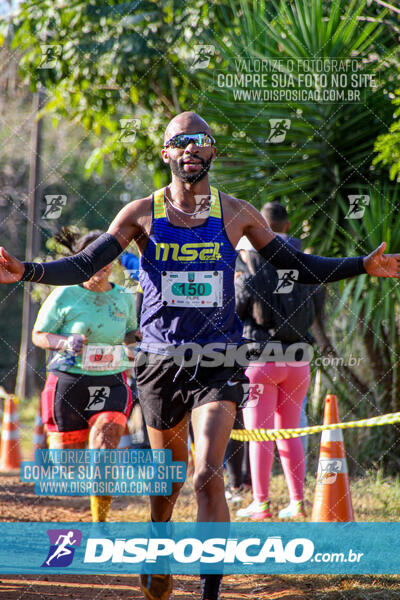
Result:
pixel 107 587
pixel 19 503
pixel 235 587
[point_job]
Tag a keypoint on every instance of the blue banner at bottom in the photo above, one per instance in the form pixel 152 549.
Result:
pixel 190 548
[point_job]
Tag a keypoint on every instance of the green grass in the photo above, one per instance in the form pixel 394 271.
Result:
pixel 27 410
pixel 375 497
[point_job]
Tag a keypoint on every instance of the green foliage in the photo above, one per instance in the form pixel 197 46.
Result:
pixel 364 316
pixel 326 156
pixel 115 60
pixel 328 149
pixel 91 202
pixel 388 145
pixel 381 221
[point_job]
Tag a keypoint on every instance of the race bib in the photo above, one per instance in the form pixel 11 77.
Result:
pixel 101 358
pixel 192 289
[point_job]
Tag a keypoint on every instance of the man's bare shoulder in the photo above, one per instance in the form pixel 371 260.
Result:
pixel 242 218
pixel 138 212
pixel 238 207
pixel 133 221
pixel 142 207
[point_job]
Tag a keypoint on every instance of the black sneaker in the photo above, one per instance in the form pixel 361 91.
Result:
pixel 156 587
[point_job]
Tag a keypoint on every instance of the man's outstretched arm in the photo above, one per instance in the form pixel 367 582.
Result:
pixel 312 268
pixel 80 267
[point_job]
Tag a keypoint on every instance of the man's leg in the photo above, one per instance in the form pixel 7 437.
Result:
pixel 159 587
pixel 212 425
pixel 174 439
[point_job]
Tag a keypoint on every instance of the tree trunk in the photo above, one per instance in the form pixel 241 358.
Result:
pixel 27 379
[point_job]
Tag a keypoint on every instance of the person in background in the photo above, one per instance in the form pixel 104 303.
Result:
pixel 237 465
pixel 130 262
pixel 281 386
pixel 86 327
pixel 237 461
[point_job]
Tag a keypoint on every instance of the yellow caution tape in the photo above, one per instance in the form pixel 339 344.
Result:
pixel 269 435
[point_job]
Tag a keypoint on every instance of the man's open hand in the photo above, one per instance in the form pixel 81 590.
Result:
pixel 382 265
pixel 11 269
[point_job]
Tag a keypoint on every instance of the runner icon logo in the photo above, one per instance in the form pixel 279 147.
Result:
pixel 202 56
pixel 62 547
pixel 287 279
pixel 203 206
pixel 328 469
pixel 50 55
pixel 251 394
pixel 130 284
pixel 54 206
pixel 98 397
pixel 279 129
pixel 357 206
pixel 129 129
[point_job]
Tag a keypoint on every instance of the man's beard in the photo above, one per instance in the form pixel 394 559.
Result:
pixel 178 170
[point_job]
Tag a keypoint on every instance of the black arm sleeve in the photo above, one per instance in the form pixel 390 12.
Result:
pixel 312 269
pixel 77 268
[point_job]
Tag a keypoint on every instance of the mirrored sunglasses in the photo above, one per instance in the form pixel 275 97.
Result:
pixel 182 140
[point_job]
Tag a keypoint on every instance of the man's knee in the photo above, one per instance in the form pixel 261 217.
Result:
pixel 207 478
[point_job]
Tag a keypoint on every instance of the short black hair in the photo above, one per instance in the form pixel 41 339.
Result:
pixel 274 212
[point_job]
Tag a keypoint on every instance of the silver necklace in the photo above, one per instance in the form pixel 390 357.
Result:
pixel 189 214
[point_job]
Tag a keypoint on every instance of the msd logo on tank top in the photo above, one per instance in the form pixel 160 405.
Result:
pixel 187 277
pixel 188 252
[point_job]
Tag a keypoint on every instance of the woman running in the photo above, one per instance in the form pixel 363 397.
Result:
pixel 86 400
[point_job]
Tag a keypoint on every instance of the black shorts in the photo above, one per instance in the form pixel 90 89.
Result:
pixel 70 400
pixel 167 392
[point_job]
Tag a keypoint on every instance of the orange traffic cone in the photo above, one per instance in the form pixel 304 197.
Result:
pixel 332 500
pixel 39 435
pixel 125 441
pixel 10 456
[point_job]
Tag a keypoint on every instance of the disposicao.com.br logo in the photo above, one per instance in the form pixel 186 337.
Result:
pixel 193 550
pixel 62 547
pixel 189 548
pixel 218 550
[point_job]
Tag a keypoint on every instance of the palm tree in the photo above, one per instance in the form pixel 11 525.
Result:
pixel 324 157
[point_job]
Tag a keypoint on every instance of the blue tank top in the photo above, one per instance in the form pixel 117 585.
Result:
pixel 187 278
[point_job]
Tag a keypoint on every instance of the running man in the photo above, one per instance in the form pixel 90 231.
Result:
pixel 63 541
pixel 173 242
